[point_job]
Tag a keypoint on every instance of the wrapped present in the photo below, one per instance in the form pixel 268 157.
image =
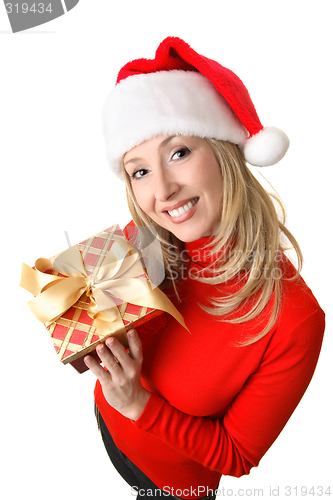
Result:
pixel 93 290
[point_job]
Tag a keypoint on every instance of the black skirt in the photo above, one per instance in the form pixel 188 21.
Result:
pixel 141 485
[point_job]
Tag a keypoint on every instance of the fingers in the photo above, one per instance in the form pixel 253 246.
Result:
pixel 119 352
pixel 135 346
pixel 120 377
pixel 97 369
pixel 114 357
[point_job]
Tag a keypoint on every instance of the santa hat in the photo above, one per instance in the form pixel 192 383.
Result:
pixel 181 92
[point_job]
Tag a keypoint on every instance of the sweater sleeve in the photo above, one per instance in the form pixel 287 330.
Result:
pixel 235 443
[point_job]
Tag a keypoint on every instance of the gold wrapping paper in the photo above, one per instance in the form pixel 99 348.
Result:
pixel 120 276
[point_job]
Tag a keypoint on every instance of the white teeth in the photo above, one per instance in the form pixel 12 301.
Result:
pixel 182 210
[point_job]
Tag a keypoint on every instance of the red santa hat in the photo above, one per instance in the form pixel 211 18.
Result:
pixel 181 92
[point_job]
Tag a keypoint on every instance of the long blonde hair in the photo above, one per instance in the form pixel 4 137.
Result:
pixel 250 229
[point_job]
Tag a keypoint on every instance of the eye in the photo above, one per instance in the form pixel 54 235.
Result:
pixel 180 153
pixel 138 174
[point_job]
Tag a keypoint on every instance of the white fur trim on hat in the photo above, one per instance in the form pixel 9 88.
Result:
pixel 172 102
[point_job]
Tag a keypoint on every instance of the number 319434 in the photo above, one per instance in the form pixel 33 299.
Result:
pixel 25 8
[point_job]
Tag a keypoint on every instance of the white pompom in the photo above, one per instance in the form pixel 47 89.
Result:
pixel 267 147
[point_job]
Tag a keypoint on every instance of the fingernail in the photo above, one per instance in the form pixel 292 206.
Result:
pixel 131 333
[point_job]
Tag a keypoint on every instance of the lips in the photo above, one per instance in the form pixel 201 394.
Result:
pixel 181 210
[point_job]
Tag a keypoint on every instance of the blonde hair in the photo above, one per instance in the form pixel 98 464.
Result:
pixel 252 236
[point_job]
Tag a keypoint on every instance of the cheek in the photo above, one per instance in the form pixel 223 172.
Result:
pixel 143 198
pixel 210 181
pixel 216 186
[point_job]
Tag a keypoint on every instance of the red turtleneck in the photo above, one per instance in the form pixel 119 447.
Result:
pixel 217 407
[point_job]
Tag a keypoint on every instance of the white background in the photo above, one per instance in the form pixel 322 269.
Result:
pixel 54 178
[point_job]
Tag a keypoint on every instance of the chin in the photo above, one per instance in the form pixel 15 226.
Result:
pixel 191 235
pixel 190 230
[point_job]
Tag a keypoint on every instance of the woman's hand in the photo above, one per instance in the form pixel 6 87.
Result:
pixel 121 383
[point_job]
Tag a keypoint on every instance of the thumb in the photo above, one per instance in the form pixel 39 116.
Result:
pixel 135 345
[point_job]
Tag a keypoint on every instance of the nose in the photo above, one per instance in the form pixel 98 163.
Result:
pixel 165 186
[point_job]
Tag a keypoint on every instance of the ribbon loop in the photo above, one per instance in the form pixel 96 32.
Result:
pixel 121 275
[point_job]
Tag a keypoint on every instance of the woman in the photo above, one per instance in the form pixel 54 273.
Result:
pixel 183 409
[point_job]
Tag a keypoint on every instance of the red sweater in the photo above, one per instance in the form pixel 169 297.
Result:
pixel 217 407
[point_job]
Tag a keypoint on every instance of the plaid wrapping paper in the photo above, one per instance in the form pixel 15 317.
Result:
pixel 74 333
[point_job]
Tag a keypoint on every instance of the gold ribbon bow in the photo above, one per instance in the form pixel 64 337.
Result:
pixel 121 275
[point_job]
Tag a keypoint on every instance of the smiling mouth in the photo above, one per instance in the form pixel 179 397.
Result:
pixel 177 212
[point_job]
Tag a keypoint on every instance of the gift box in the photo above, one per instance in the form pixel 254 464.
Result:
pixel 93 290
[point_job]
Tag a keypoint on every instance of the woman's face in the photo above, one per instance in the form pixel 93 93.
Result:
pixel 177 182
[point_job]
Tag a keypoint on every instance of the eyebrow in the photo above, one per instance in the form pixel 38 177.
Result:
pixel 161 146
